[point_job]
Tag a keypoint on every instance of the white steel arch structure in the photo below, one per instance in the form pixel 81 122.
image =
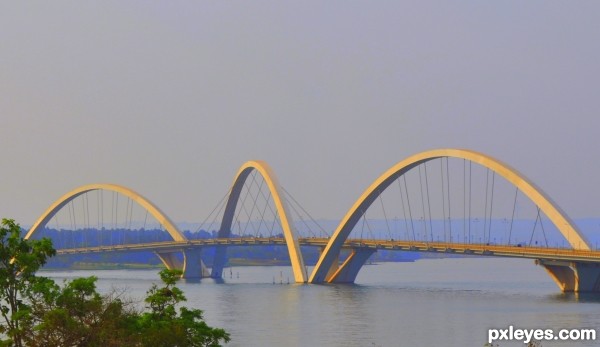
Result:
pixel 162 218
pixel 145 203
pixel 328 260
pixel 291 238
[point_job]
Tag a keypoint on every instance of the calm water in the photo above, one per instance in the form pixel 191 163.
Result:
pixel 447 302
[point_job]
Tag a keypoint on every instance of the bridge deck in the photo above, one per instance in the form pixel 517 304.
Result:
pixel 394 245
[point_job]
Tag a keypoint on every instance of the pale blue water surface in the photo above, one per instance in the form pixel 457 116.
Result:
pixel 431 302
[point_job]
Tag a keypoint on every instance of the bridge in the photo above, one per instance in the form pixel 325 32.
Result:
pixel 448 201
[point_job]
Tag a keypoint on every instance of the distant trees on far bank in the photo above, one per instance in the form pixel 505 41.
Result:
pixel 95 237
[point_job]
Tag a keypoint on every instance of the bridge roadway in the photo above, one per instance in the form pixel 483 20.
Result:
pixel 573 270
pixel 538 253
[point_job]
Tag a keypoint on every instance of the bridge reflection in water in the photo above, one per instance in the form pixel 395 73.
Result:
pixel 442 212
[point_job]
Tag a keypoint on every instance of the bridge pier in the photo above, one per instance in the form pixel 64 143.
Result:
pixel 347 272
pixel 577 277
pixel 193 266
pixel 335 265
pixel 219 262
pixel 170 260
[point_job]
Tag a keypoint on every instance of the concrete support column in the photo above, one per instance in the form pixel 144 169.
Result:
pixel 193 267
pixel 575 277
pixel 588 278
pixel 219 262
pixel 348 271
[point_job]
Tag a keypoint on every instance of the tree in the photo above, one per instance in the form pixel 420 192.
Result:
pixel 19 260
pixel 163 326
pixel 77 315
pixel 38 312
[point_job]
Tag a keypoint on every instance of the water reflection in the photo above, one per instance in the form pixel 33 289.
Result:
pixel 576 297
pixel 451 302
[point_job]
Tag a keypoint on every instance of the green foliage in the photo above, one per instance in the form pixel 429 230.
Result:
pixel 77 315
pixel 19 260
pixel 163 326
pixel 38 312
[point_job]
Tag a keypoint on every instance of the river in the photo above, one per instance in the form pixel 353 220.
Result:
pixel 431 302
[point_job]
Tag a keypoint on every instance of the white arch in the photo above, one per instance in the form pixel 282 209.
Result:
pixel 554 213
pixel 145 203
pixel 291 239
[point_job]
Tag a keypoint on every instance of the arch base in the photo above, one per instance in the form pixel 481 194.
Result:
pixel 170 260
pixel 573 277
pixel 348 271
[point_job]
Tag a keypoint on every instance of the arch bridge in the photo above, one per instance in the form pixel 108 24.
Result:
pixel 342 254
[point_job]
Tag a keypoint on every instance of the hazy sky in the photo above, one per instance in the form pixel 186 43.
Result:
pixel 170 98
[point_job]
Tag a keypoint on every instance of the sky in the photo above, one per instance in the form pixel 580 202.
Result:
pixel 170 98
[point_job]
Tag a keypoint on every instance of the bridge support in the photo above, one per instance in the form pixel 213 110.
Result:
pixel 347 272
pixel 170 260
pixel 193 267
pixel 577 277
pixel 219 262
pixel 335 265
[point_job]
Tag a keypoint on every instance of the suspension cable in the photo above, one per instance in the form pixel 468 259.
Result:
pixel 117 217
pixel 266 198
pixel 443 198
pixel 99 231
pixel 543 231
pixel 131 214
pixel 302 220
pixel 101 209
pixel 303 210
pixel 98 209
pixel 534 225
pixel 513 215
pixel 403 209
pixel 56 222
pixel 422 199
pixel 428 201
pixel 254 199
pixel 362 229
pixel 366 221
pixel 412 225
pixel 262 213
pixel 387 224
pixel 239 210
pixel 87 217
pixel 220 206
pixel 449 212
pixel 487 188
pixel 491 207
pixel 275 218
pixel 271 209
pixel 73 224
pixel 249 222
pixel 470 196
pixel 72 215
pixel 464 200
pixel 117 212
pixel 112 217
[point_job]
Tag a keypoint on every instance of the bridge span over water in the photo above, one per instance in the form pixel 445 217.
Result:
pixel 439 213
